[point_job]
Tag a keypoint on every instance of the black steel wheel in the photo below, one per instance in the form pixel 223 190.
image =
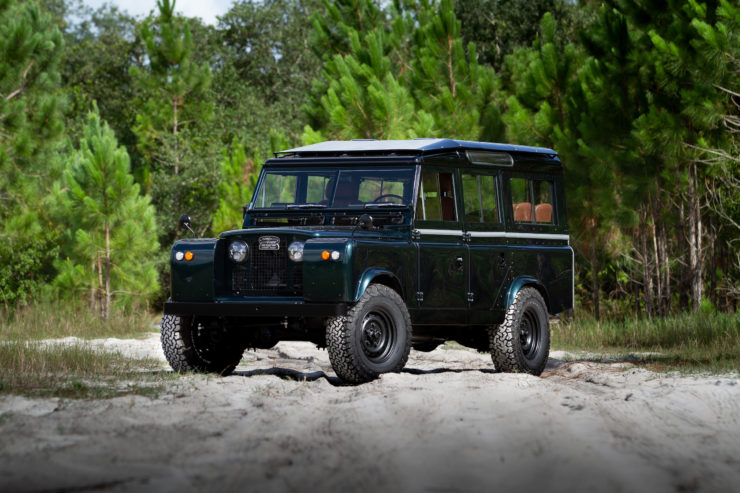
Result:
pixel 373 338
pixel 522 342
pixel 190 344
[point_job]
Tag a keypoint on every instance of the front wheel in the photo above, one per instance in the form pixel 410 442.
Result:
pixel 373 338
pixel 522 343
pixel 192 345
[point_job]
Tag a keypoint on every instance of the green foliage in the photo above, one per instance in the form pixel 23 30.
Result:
pixel 500 27
pixel 173 124
pixel 110 245
pixel 448 82
pixel 407 76
pixel 101 47
pixel 240 179
pixel 30 129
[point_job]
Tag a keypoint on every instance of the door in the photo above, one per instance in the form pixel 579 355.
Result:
pixel 489 256
pixel 443 255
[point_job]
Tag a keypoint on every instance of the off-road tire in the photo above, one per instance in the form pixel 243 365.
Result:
pixel 374 336
pixel 178 338
pixel 522 343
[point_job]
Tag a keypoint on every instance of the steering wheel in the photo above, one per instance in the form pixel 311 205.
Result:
pixel 379 197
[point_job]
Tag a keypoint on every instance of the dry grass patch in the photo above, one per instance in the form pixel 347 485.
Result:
pixel 75 371
pixel 692 341
pixel 49 320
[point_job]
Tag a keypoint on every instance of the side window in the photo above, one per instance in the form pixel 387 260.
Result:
pixel 436 197
pixel 531 200
pixel 480 198
pixel 542 201
pixel 521 202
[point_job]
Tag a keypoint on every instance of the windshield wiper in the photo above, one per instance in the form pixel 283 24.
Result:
pixel 305 206
pixel 381 205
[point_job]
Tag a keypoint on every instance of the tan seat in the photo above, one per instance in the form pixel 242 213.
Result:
pixel 523 212
pixel 543 213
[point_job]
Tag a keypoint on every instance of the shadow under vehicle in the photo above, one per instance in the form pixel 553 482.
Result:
pixel 369 248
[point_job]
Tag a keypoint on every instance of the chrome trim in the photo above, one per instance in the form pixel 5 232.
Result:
pixel 533 236
pixel 441 232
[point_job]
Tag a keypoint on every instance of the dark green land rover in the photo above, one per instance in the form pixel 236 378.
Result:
pixel 370 248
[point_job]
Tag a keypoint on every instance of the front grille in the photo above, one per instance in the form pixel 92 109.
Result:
pixel 268 273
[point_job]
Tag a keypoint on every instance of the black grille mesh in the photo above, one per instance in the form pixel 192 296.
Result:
pixel 268 273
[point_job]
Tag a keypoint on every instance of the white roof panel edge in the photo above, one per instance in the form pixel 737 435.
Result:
pixel 410 145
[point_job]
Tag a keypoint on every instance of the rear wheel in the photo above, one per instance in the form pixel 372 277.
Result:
pixel 190 344
pixel 373 338
pixel 522 342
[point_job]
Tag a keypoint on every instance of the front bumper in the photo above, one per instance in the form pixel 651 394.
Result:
pixel 255 309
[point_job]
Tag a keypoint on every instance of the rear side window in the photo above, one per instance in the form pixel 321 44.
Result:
pixel 436 200
pixel 480 198
pixel 531 201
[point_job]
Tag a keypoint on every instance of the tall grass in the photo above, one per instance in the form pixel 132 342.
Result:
pixel 696 340
pixel 75 371
pixel 47 320
pixel 47 368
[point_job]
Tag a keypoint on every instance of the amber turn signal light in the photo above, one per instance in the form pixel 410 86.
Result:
pixel 325 255
pixel 188 256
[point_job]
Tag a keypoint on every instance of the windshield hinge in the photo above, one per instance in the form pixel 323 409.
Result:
pixel 420 296
pixel 415 234
pixel 466 237
pixel 471 297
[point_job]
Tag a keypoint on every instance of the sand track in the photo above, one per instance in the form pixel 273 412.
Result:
pixel 448 423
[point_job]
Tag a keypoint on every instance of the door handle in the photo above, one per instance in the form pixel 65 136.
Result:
pixel 459 263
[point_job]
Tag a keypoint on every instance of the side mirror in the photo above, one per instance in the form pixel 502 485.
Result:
pixel 365 221
pixel 185 223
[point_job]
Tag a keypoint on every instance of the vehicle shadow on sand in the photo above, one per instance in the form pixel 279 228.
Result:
pixel 299 376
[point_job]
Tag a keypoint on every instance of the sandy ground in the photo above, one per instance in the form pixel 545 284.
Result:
pixel 448 423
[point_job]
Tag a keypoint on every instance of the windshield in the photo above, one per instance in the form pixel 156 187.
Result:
pixel 338 188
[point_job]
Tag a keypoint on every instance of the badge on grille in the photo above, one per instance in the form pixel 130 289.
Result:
pixel 269 243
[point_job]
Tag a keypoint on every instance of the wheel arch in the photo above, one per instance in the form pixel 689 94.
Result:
pixel 526 282
pixel 378 276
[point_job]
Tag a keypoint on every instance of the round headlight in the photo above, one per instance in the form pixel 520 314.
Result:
pixel 295 251
pixel 238 251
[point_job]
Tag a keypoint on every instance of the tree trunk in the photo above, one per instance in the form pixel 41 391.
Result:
pixel 100 286
pixel 713 264
pixel 658 283
pixel 594 275
pixel 647 278
pixel 106 310
pixel 695 263
pixel 93 290
pixel 663 242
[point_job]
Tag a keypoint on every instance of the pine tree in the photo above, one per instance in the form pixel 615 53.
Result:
pixel 240 175
pixel 111 242
pixel 549 108
pixel 364 98
pixel 448 83
pixel 174 123
pixel 31 124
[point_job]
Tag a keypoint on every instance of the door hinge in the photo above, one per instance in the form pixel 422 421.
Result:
pixel 466 237
pixel 415 234
pixel 471 297
pixel 420 296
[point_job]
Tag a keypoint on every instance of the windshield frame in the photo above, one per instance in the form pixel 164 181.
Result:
pixel 337 173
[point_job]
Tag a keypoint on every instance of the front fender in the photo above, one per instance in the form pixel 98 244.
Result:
pixel 327 281
pixel 521 282
pixel 193 280
pixel 372 273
